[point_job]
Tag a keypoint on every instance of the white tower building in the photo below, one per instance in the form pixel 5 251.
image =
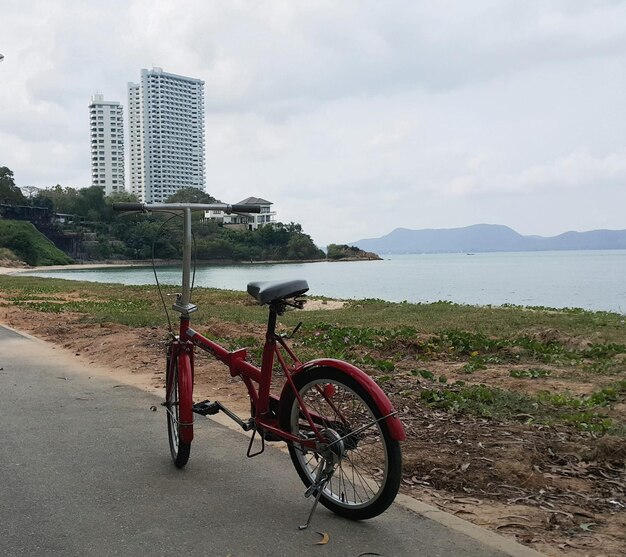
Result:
pixel 107 144
pixel 166 134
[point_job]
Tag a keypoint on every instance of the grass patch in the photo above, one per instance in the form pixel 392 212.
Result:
pixel 604 397
pixel 482 327
pixel 584 413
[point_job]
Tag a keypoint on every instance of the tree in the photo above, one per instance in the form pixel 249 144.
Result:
pixel 121 197
pixel 42 201
pixel 190 195
pixel 9 192
pixel 64 200
pixel 90 203
pixel 300 246
pixel 294 227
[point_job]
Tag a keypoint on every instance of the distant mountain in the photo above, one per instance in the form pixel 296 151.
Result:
pixel 488 237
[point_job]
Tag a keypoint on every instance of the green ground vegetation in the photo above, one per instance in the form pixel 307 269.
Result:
pixel 430 353
pixel 21 240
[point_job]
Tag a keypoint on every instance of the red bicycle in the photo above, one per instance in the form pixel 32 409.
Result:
pixel 342 431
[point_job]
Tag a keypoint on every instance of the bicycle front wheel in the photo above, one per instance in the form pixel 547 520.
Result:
pixel 178 403
pixel 367 476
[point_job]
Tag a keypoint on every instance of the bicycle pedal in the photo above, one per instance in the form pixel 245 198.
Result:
pixel 206 408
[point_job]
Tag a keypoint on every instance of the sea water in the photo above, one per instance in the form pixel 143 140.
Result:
pixel 593 280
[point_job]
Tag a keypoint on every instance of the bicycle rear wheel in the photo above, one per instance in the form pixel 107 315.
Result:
pixel 178 403
pixel 367 476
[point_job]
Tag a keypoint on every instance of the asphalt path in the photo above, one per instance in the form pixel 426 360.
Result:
pixel 86 471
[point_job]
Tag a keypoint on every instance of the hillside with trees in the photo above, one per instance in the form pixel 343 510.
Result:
pixel 104 234
pixel 21 241
pixel 344 252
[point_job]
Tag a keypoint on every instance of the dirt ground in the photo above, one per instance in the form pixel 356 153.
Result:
pixel 556 491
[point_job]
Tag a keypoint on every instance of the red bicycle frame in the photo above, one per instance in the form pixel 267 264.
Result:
pixel 250 374
pixel 261 396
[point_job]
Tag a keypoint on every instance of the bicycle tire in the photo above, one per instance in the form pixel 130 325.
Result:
pixel 352 492
pixel 178 403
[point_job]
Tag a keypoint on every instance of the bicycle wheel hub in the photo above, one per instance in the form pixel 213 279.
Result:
pixel 335 449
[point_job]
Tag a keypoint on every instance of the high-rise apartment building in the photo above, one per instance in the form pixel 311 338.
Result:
pixel 107 144
pixel 166 134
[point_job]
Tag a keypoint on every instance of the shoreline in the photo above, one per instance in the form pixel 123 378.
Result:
pixel 11 270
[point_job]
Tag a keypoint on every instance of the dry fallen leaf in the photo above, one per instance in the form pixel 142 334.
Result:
pixel 324 540
pixel 556 511
pixel 511 525
pixel 514 516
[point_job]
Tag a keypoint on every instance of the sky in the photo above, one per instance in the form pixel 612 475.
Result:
pixel 353 117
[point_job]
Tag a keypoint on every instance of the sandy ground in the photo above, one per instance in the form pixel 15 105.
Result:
pixel 542 487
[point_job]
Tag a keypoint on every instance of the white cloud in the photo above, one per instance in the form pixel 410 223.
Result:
pixel 565 173
pixel 353 117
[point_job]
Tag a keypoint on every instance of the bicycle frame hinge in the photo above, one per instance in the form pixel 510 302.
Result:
pixel 240 354
pixel 184 309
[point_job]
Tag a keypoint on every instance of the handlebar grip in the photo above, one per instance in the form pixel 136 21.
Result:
pixel 128 206
pixel 245 208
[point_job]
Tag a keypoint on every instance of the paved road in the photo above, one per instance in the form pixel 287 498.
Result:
pixel 86 471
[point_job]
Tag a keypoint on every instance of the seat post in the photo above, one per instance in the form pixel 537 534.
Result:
pixel 267 365
pixel 271 322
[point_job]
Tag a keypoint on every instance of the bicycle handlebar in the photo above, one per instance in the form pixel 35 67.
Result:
pixel 160 207
pixel 245 208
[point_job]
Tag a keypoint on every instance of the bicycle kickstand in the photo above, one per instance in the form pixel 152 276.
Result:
pixel 324 476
